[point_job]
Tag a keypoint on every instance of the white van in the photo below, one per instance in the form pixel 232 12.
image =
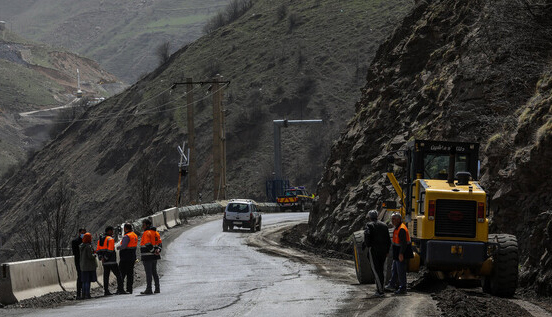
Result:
pixel 242 213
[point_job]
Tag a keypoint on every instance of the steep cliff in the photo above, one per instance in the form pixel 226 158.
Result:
pixel 462 71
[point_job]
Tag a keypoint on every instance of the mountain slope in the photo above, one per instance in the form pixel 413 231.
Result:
pixel 463 71
pixel 122 35
pixel 304 64
pixel 36 76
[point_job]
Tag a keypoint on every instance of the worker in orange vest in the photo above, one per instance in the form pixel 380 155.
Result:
pixel 150 251
pixel 106 253
pixel 127 255
pixel 402 250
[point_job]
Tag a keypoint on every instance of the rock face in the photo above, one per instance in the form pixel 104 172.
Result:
pixel 461 71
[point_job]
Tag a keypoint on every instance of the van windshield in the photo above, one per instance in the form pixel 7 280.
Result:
pixel 234 207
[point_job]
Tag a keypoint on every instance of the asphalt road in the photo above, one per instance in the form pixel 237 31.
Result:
pixel 211 273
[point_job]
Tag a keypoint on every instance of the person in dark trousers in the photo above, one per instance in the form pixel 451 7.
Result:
pixel 106 253
pixel 150 250
pixel 87 264
pixel 376 238
pixel 127 255
pixel 76 252
pixel 402 251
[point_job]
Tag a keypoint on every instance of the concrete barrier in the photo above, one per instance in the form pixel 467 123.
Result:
pixel 198 210
pixel 158 221
pixel 67 272
pixel 268 207
pixel 26 279
pixel 171 217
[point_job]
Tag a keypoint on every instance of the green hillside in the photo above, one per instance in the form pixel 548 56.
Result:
pixel 36 76
pixel 122 35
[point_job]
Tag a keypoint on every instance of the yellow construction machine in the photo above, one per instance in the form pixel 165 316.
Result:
pixel 446 211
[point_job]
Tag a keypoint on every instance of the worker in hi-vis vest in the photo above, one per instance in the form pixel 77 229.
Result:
pixel 150 252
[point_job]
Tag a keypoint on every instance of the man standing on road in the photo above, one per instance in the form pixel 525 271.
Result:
pixel 76 252
pixel 106 253
pixel 127 255
pixel 402 250
pixel 376 238
pixel 150 250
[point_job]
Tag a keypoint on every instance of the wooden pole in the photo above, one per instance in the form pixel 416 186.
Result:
pixel 216 140
pixel 192 173
pixel 223 145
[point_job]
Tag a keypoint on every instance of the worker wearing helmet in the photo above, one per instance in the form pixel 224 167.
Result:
pixel 376 238
pixel 402 250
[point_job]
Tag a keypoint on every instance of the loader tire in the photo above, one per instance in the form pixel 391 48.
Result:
pixel 362 262
pixel 504 276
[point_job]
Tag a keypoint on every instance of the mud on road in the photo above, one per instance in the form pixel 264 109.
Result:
pixel 427 296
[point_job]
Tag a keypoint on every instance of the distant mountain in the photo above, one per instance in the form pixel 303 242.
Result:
pixel 284 60
pixel 121 35
pixel 36 76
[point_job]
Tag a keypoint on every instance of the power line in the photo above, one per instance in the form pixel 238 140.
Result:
pixel 114 115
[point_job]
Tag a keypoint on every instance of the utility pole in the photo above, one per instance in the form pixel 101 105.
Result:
pixel 219 137
pixel 192 173
pixel 219 142
pixel 223 141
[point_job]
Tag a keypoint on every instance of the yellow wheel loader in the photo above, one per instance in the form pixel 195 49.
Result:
pixel 446 211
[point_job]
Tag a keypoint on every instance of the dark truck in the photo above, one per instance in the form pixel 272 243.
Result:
pixel 295 199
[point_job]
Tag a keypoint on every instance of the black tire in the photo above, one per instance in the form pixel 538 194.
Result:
pixel 253 227
pixel 302 208
pixel 260 222
pixel 224 226
pixel 504 276
pixel 362 262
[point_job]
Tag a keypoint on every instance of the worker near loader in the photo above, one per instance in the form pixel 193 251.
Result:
pixel 376 238
pixel 402 251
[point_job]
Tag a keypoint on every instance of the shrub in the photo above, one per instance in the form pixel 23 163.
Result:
pixel 233 11
pixel 281 12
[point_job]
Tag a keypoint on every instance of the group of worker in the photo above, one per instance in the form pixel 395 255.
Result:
pixel 85 259
pixel 376 238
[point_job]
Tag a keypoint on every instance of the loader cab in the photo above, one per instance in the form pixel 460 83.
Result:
pixel 433 160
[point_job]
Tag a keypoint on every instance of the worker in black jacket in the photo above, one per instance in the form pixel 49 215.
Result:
pixel 76 252
pixel 376 238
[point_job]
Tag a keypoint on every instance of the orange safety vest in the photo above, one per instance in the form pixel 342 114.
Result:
pixel 396 240
pixel 150 239
pixel 108 245
pixel 133 240
pixel 107 250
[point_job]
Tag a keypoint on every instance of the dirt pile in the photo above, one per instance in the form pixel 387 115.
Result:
pixel 462 71
pixel 454 302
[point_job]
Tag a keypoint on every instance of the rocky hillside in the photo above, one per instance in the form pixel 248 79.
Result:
pixel 464 71
pixel 301 59
pixel 122 35
pixel 36 76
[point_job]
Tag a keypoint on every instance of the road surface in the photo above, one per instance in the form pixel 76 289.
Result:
pixel 211 273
